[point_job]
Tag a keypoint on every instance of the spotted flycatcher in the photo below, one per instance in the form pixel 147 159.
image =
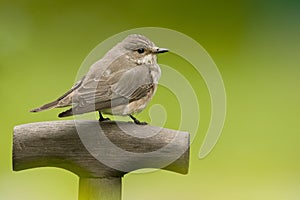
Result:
pixel 121 83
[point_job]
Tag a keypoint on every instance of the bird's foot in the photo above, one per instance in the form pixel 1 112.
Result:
pixel 136 121
pixel 104 119
pixel 101 118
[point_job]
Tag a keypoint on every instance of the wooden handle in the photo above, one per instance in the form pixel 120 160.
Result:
pixel 100 188
pixel 99 150
pixel 99 153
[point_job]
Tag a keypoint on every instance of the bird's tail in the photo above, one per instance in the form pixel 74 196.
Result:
pixel 66 113
pixel 46 106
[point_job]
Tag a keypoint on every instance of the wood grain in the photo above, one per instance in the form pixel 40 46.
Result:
pixel 100 189
pixel 63 144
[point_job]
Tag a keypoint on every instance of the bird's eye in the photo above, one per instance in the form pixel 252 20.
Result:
pixel 141 50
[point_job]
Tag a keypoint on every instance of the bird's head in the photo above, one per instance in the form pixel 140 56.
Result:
pixel 140 49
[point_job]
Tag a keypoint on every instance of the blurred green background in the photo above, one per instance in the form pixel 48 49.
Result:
pixel 255 44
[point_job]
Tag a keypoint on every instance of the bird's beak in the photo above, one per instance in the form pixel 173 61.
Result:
pixel 161 50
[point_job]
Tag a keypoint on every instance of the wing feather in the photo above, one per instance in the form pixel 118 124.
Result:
pixel 119 88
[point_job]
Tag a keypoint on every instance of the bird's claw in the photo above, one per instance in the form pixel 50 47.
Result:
pixel 136 121
pixel 104 119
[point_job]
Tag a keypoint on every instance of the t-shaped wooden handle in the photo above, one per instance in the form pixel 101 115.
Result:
pixel 100 153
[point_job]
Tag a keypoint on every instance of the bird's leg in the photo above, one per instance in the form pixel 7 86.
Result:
pixel 136 121
pixel 101 118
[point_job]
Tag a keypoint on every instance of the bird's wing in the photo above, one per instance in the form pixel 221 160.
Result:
pixel 134 84
pixel 117 88
pixel 75 86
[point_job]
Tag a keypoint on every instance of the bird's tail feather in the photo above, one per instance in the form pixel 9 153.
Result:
pixel 47 106
pixel 66 113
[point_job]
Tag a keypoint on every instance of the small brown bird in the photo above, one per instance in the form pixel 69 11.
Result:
pixel 121 83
